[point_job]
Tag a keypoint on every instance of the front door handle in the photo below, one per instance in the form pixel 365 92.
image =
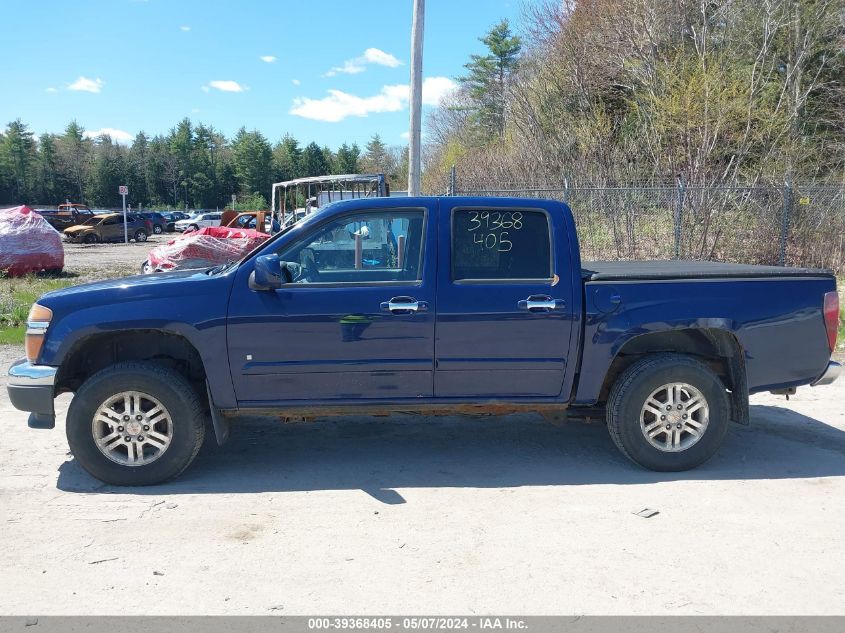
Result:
pixel 404 305
pixel 541 303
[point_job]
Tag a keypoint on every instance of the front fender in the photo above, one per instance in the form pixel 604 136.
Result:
pixel 193 307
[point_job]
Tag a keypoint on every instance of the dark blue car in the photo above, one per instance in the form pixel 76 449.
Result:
pixel 435 305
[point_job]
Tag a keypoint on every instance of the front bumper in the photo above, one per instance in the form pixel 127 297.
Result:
pixel 830 374
pixel 31 388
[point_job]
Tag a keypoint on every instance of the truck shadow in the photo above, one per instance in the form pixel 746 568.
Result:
pixel 380 455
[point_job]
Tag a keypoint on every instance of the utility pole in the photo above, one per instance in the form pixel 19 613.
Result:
pixel 416 98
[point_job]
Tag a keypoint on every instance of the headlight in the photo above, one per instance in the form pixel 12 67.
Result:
pixel 36 328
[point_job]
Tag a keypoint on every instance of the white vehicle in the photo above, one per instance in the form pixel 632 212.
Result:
pixel 198 222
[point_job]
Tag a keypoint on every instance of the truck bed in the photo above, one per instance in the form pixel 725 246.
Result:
pixel 684 269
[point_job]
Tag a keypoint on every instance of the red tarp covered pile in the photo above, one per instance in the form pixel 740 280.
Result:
pixel 28 244
pixel 206 247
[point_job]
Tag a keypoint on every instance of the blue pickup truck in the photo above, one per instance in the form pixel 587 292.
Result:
pixel 429 305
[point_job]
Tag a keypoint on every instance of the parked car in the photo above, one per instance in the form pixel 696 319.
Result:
pixel 198 221
pixel 66 216
pixel 109 228
pixel 430 305
pixel 157 220
pixel 249 220
pixel 172 217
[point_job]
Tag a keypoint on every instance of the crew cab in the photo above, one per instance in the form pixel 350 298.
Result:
pixel 431 305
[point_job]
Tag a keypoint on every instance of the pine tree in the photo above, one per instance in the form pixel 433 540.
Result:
pixel 287 159
pixel 487 80
pixel 346 159
pixel 376 159
pixel 46 171
pixel 19 150
pixel 314 161
pixel 75 160
pixel 252 157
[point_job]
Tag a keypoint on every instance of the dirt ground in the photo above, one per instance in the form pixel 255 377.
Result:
pixel 93 261
pixel 434 516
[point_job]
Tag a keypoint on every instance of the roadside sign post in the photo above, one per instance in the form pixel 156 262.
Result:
pixel 234 201
pixel 123 190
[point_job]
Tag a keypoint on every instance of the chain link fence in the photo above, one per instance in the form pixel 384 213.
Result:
pixel 794 225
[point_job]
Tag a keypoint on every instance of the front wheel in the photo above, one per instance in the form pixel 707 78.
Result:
pixel 91 238
pixel 140 235
pixel 193 227
pixel 668 412
pixel 135 424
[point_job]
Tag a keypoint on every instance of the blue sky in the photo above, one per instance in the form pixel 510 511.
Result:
pixel 323 70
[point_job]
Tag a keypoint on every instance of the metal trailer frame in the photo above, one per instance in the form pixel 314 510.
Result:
pixel 359 185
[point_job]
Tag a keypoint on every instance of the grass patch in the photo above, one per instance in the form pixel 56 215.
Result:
pixel 17 294
pixel 12 335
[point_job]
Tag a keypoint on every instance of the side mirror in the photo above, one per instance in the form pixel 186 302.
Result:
pixel 269 273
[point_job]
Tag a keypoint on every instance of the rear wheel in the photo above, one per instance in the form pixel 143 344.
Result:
pixel 140 235
pixel 668 412
pixel 135 424
pixel 157 229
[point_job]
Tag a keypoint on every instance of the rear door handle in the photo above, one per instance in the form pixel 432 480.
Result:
pixel 404 305
pixel 541 303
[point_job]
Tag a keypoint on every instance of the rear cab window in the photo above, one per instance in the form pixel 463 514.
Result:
pixel 501 245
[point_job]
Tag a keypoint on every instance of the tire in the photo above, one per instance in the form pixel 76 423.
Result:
pixel 147 267
pixel 633 413
pixel 157 229
pixel 91 238
pixel 182 420
pixel 193 227
pixel 140 235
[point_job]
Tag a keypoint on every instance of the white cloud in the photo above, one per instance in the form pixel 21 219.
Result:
pixel 339 105
pixel 51 90
pixel 359 64
pixel 377 56
pixel 119 136
pixel 268 58
pixel 405 136
pixel 185 28
pixel 295 82
pixel 435 88
pixel 225 85
pixel 83 84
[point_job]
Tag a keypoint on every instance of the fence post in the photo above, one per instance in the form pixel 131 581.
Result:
pixel 679 205
pixel 784 224
pixel 566 190
pixel 453 180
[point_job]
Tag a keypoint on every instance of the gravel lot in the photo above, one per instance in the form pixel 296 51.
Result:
pixel 434 516
pixel 110 260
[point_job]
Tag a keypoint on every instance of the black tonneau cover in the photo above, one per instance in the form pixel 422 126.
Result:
pixel 683 269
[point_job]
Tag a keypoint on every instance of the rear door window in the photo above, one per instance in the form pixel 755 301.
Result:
pixel 501 244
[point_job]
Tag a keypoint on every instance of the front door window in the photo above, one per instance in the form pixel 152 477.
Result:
pixel 378 246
